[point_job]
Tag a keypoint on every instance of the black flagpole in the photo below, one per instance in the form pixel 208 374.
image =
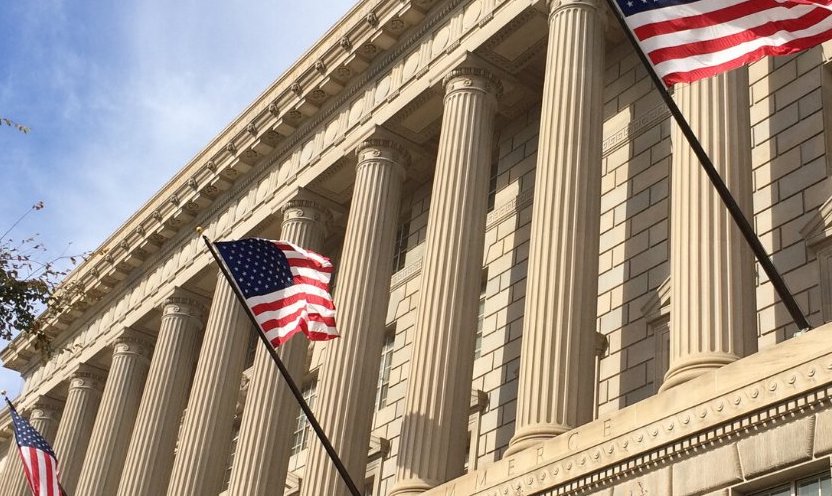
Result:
pixel 724 193
pixel 342 471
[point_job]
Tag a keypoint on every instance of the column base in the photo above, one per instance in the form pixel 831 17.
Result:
pixel 692 367
pixel 532 435
pixel 411 487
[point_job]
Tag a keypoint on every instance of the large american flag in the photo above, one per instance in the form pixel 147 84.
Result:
pixel 40 465
pixel 286 287
pixel 687 40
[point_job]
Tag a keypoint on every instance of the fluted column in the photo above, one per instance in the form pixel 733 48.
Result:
pixel 346 385
pixel 556 365
pixel 262 456
pixel 205 437
pixel 12 469
pixel 712 303
pixel 150 454
pixel 44 419
pixel 116 415
pixel 73 437
pixel 435 424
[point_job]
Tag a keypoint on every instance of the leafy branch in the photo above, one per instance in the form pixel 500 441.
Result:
pixel 20 127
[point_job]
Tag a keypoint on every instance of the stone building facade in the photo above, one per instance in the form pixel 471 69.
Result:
pixel 517 226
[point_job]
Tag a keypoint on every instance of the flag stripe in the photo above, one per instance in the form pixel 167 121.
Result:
pixel 690 40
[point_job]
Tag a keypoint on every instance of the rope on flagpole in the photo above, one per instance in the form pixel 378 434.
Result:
pixel 724 193
pixel 313 422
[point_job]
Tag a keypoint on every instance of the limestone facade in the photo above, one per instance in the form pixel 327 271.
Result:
pixel 540 296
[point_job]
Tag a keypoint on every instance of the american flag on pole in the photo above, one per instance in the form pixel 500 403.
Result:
pixel 687 40
pixel 285 286
pixel 40 466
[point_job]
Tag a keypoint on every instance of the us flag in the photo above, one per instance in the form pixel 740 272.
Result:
pixel 285 286
pixel 687 40
pixel 40 465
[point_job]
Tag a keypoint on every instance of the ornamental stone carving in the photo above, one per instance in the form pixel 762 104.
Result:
pixel 472 78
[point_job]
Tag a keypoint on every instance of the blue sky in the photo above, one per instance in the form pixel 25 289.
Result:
pixel 121 95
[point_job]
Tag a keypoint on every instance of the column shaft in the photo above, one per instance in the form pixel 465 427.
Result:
pixel 262 456
pixel 556 366
pixel 712 302
pixel 73 437
pixel 205 437
pixel 150 454
pixel 116 416
pixel 434 429
pixel 346 387
pixel 44 419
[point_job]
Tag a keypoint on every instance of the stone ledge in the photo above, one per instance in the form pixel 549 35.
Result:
pixel 755 394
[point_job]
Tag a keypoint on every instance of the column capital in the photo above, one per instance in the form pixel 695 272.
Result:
pixel 88 377
pixel 557 5
pixel 133 342
pixel 381 147
pixel 45 408
pixel 184 303
pixel 472 78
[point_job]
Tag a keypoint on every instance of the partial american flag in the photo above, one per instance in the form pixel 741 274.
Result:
pixel 286 287
pixel 40 466
pixel 687 40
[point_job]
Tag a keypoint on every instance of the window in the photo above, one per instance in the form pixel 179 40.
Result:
pixel 816 485
pixel 300 438
pixel 400 251
pixel 478 337
pixel 384 370
pixel 492 186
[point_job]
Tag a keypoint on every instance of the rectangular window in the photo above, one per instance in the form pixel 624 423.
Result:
pixel 478 337
pixel 400 251
pixel 492 186
pixel 816 485
pixel 384 370
pixel 300 437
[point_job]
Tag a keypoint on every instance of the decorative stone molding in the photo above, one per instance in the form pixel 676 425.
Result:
pixel 88 377
pixel 509 208
pixel 383 149
pixel 634 128
pixel 406 274
pixel 132 342
pixel 707 413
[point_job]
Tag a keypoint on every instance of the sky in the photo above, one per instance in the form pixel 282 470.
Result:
pixel 120 95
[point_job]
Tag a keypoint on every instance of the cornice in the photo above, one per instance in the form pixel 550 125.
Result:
pixel 277 120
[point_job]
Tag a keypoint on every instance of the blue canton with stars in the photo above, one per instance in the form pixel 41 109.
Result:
pixel 26 435
pixel 630 7
pixel 258 265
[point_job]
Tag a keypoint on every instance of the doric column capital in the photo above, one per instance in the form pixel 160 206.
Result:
pixel 88 377
pixel 472 78
pixel 183 303
pixel 132 342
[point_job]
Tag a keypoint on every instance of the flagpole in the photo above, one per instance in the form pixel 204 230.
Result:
pixel 342 471
pixel 723 191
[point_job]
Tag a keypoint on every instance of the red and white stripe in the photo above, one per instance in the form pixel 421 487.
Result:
pixel 306 306
pixel 41 471
pixel 700 39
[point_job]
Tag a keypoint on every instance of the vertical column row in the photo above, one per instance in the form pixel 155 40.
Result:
pixel 346 386
pixel 150 454
pixel 116 416
pixel 434 428
pixel 205 437
pixel 73 437
pixel 262 457
pixel 712 303
pixel 556 367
